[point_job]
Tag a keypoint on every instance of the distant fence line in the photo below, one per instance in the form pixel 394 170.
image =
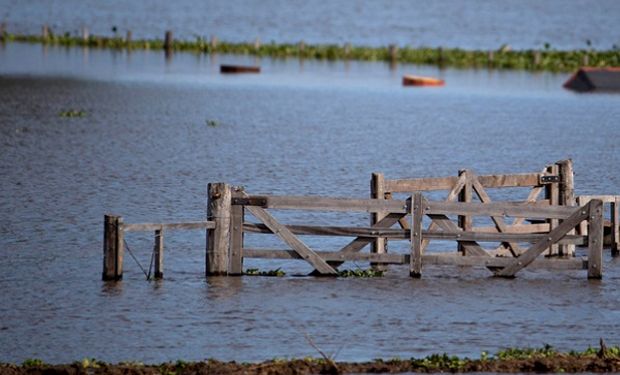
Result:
pixel 502 58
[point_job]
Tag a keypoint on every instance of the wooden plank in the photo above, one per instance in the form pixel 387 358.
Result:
pixel 429 259
pixel 330 204
pixel 446 183
pixel 552 192
pixel 444 223
pixel 417 213
pixel 595 239
pixel 148 227
pixel 359 243
pixel 519 228
pixel 315 230
pixel 499 209
pixel 615 227
pixel 290 239
pixel 113 248
pixel 514 248
pixel 466 195
pixel 583 226
pixel 218 239
pixel 235 267
pixel 605 198
pixel 158 251
pixel 567 196
pixel 539 247
pixel 379 245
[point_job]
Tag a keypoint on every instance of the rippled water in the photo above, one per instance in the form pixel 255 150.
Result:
pixel 144 151
pixel 524 24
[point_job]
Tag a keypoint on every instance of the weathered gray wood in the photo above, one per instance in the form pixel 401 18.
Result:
pixel 416 205
pixel 469 247
pixel 552 192
pixel 595 239
pixel 428 259
pixel 168 41
pixel 379 245
pixel 465 221
pixel 235 257
pixel 45 32
pixel 314 230
pixel 158 251
pixel 113 248
pixel 583 226
pixel 519 228
pixel 604 198
pixel 514 248
pixel 615 227
pixel 567 196
pixel 218 239
pixel 359 243
pixel 329 204
pixel 446 183
pixel 290 239
pixel 539 247
pixel 148 227
pixel 519 209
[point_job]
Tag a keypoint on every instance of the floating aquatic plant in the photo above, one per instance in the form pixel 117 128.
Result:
pixel 72 113
pixel 361 273
pixel 212 123
pixel 256 272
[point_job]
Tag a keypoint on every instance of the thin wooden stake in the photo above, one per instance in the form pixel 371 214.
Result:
pixel 595 239
pixel 416 210
pixel 615 227
pixel 113 248
pixel 159 253
pixel 85 34
pixel 465 222
pixel 45 32
pixel 168 41
pixel 379 245
pixel 218 239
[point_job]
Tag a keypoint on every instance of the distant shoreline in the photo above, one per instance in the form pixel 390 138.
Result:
pixel 542 360
pixel 546 59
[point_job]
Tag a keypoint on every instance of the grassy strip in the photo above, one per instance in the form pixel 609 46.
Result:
pixel 503 58
pixel 538 360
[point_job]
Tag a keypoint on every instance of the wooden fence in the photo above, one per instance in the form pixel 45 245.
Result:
pixel 614 222
pixel 555 181
pixel 230 204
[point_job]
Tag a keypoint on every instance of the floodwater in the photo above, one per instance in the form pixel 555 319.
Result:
pixel 475 24
pixel 144 151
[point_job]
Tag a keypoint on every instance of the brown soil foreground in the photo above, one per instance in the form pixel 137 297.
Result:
pixel 538 363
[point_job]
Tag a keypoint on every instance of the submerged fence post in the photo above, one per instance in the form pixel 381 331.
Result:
pixel 113 248
pixel 45 32
pixel 159 253
pixel 168 41
pixel 595 239
pixel 416 211
pixel 377 191
pixel 465 222
pixel 615 227
pixel 218 239
pixel 567 196
pixel 236 235
pixel 552 193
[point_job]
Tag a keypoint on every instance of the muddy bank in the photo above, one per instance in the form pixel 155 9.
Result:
pixel 509 361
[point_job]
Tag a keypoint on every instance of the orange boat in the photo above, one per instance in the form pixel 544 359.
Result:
pixel 411 80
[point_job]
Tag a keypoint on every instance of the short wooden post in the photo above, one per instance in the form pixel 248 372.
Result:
pixel 85 34
pixel 158 252
pixel 213 42
pixel 595 239
pixel 490 57
pixel 465 222
pixel 301 47
pixel 128 38
pixel 416 211
pixel 552 193
pixel 257 44
pixel 113 248
pixel 440 59
pixel 566 197
pixel 377 191
pixel 236 235
pixel 393 52
pixel 45 32
pixel 218 239
pixel 615 227
pixel 347 49
pixel 168 41
pixel 583 226
pixel 585 60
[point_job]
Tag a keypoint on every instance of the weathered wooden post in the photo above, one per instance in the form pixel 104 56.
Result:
pixel 465 222
pixel 45 32
pixel 586 60
pixel 168 41
pixel 159 253
pixel 257 44
pixel 128 38
pixel 567 197
pixel 213 43
pixel 85 34
pixel 490 57
pixel 301 47
pixel 615 227
pixel 393 52
pixel 440 58
pixel 416 211
pixel 377 191
pixel 113 248
pixel 218 239
pixel 595 239
pixel 552 193
pixel 347 49
pixel 537 58
pixel 236 235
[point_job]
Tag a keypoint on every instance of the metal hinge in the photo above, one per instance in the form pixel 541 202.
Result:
pixel 550 179
pixel 250 201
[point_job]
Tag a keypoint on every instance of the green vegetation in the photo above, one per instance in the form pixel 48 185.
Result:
pixel 72 113
pixel 256 272
pixel 361 273
pixel 212 123
pixel 33 362
pixel 547 59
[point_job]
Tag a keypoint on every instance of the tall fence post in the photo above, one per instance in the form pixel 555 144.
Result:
pixel 567 197
pixel 236 235
pixel 416 211
pixel 465 222
pixel 377 191
pixel 218 239
pixel 615 227
pixel 595 239
pixel 113 248
pixel 552 193
pixel 159 253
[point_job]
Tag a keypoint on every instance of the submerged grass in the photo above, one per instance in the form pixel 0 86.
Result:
pixel 547 59
pixel 540 360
